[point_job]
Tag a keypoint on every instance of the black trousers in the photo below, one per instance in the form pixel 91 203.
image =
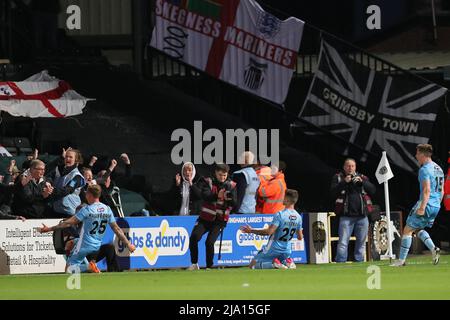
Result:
pixel 106 251
pixel 201 227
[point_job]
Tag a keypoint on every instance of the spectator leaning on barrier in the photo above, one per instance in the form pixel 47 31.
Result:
pixel 219 197
pixel 247 183
pixel 32 193
pixel 67 182
pixel 187 201
pixel 272 191
pixel 352 191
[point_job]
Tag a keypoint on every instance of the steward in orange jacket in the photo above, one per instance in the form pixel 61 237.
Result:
pixel 265 175
pixel 272 192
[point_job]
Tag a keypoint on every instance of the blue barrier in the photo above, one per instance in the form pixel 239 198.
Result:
pixel 163 242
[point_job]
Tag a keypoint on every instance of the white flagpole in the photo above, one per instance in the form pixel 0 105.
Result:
pixel 388 217
pixel 383 174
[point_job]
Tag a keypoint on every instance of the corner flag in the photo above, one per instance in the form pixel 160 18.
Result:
pixel 384 172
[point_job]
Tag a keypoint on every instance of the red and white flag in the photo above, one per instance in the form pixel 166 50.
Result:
pixel 41 95
pixel 235 41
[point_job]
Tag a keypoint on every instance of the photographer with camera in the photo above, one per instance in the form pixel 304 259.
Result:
pixel 352 192
pixel 219 196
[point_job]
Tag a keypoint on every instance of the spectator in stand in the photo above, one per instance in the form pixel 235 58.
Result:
pixel 110 193
pixel 67 182
pixel 111 184
pixel 272 191
pixel 89 177
pixel 187 202
pixel 26 164
pixel 12 172
pixel 219 197
pixel 121 179
pixel 32 193
pixel 247 183
pixel 7 191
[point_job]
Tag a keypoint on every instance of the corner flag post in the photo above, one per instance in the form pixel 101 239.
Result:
pixel 383 174
pixel 388 217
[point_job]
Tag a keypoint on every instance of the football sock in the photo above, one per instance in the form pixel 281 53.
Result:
pixel 404 248
pixel 426 239
pixel 264 265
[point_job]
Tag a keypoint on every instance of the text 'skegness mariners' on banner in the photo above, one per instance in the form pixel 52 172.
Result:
pixel 370 109
pixel 232 40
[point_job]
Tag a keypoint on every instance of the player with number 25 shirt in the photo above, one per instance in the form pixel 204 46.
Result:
pixel 95 218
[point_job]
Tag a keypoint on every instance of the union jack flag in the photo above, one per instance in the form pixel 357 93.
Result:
pixel 370 109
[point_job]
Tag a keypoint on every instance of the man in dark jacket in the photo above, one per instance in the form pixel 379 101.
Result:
pixel 31 192
pixel 219 197
pixel 352 191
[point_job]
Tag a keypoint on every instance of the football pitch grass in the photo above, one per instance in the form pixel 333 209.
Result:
pixel 418 280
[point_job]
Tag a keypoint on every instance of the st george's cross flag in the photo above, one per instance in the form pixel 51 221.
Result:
pixel 235 41
pixel 41 95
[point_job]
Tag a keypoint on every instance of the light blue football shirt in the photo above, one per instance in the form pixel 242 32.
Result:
pixel 433 173
pixel 95 218
pixel 288 221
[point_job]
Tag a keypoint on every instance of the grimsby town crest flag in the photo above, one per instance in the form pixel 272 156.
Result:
pixel 370 109
pixel 235 41
pixel 41 95
pixel 384 172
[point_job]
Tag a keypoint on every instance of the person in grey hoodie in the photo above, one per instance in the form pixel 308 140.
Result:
pixel 187 201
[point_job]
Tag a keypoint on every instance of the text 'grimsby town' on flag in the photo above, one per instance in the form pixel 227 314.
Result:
pixel 370 109
pixel 232 40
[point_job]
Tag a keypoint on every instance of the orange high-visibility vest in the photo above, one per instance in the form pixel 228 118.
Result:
pixel 265 175
pixel 272 194
pixel 447 188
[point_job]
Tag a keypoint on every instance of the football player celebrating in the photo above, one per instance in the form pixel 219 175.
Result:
pixel 422 215
pixel 95 218
pixel 286 223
